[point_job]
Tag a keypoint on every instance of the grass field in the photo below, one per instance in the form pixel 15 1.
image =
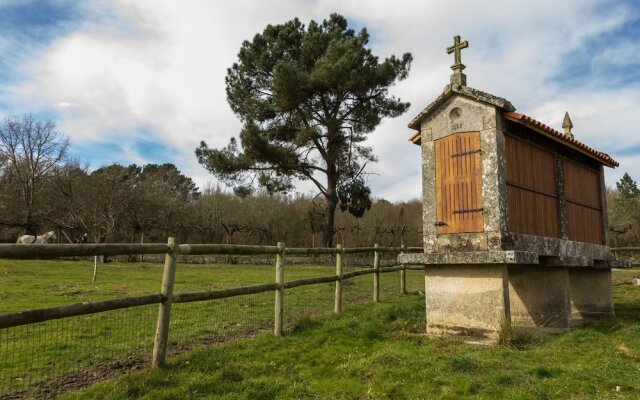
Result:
pixel 50 351
pixel 377 351
pixel 372 351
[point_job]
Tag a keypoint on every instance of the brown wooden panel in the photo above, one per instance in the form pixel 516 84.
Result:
pixel 585 224
pixel 532 213
pixel 459 183
pixel 584 206
pixel 529 165
pixel 532 194
pixel 582 184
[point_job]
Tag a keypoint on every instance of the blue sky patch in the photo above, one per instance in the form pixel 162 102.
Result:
pixel 37 20
pixel 621 65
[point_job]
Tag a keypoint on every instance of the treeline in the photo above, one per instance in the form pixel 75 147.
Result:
pixel 41 190
pixel 147 204
pixel 624 213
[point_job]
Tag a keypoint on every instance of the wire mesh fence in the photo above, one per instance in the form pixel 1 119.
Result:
pixel 206 322
pixel 415 281
pixel 306 302
pixel 43 359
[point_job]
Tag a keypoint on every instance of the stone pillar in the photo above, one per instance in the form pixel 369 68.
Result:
pixel 603 201
pixel 591 294
pixel 540 297
pixel 428 192
pixel 562 198
pixel 467 300
pixel 494 187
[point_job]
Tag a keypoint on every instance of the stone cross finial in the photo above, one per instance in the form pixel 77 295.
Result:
pixel 458 77
pixel 567 124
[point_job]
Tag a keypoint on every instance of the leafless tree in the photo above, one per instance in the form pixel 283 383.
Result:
pixel 29 151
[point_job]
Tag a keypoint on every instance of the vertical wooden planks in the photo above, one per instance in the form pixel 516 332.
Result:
pixel 584 205
pixel 532 195
pixel 459 183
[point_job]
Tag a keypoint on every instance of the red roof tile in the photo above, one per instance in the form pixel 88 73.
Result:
pixel 560 137
pixel 416 138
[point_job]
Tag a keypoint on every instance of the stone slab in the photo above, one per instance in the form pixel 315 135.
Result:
pixel 591 294
pixel 539 297
pixel 474 258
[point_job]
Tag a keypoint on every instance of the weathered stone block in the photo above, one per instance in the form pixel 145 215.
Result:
pixel 466 300
pixel 591 294
pixel 539 297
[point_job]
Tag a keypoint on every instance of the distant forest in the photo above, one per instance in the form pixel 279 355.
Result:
pixel 149 203
pixel 42 190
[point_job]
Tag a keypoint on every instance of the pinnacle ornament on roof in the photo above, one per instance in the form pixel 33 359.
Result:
pixel 567 124
pixel 458 77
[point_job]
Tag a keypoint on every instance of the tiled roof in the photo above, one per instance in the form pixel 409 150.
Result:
pixel 550 132
pixel 416 138
pixel 560 137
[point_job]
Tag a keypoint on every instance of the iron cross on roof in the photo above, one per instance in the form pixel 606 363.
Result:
pixel 456 48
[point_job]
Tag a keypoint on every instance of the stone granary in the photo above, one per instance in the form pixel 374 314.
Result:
pixel 515 222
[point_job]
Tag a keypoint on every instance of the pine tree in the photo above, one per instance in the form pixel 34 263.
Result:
pixel 627 188
pixel 307 98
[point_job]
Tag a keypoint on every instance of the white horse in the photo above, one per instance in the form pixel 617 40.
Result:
pixel 40 239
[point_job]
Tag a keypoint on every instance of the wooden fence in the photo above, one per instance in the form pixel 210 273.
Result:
pixel 166 297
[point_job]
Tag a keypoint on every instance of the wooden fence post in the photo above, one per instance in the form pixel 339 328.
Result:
pixel 164 314
pixel 279 304
pixel 403 276
pixel 376 275
pixel 338 301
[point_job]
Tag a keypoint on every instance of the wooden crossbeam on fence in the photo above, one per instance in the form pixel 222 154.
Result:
pixel 82 250
pixel 18 318
pixel 232 249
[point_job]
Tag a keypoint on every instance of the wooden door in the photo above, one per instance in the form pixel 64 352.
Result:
pixel 459 183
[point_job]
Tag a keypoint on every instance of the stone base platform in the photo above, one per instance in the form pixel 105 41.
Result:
pixel 478 299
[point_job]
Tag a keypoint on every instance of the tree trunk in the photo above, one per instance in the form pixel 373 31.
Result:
pixel 329 231
pixel 330 211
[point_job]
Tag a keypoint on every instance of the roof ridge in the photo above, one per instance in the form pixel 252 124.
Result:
pixel 518 117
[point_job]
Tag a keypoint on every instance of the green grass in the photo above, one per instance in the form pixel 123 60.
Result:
pixel 372 351
pixel 377 351
pixel 39 353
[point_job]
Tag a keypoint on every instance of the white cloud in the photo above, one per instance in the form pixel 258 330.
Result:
pixel 160 65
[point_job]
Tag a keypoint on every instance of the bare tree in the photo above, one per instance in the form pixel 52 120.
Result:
pixel 29 150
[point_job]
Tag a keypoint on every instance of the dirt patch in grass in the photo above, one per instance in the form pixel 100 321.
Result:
pixel 89 376
pixel 80 379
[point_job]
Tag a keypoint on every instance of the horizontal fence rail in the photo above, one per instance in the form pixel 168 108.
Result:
pixel 73 310
pixel 166 297
pixel 22 251
pixel 223 293
pixel 35 251
pixel 206 249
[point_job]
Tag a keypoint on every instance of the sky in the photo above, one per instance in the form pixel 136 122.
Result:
pixel 143 81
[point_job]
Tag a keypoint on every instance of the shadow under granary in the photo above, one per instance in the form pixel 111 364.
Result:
pixel 514 216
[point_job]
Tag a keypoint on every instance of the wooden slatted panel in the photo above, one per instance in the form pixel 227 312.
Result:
pixel 584 206
pixel 525 211
pixel 459 183
pixel 532 194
